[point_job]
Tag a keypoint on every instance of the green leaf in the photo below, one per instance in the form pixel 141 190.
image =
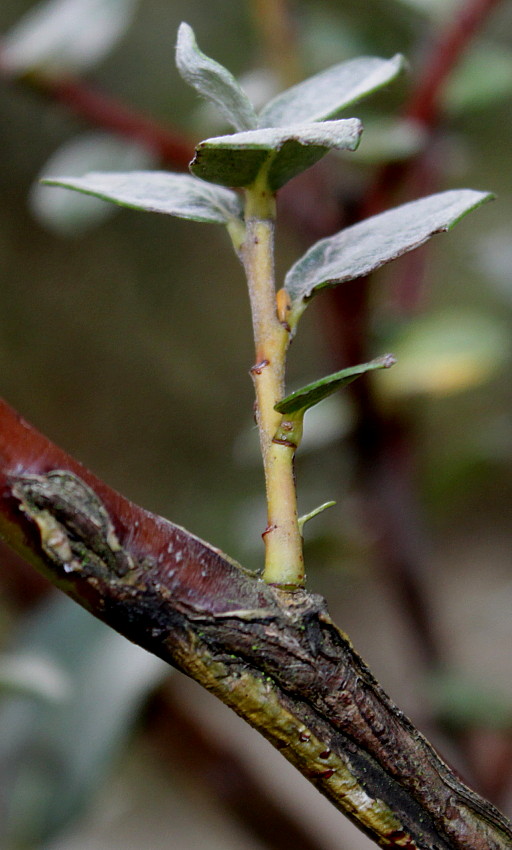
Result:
pixel 481 81
pixel 66 35
pixel 158 191
pixel 390 140
pixel 461 702
pixel 327 93
pixel 301 400
pixel 237 159
pixel 213 81
pixel 447 353
pixel 364 247
pixel 103 681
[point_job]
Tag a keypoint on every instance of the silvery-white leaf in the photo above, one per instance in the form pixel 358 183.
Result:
pixel 364 247
pixel 213 81
pixel 327 93
pixel 237 159
pixel 158 191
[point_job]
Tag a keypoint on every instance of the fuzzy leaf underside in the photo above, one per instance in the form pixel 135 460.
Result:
pixel 180 195
pixel 237 159
pixel 324 95
pixel 364 247
pixel 301 400
pixel 213 81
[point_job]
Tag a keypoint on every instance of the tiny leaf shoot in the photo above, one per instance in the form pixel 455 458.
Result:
pixel 315 512
pixel 292 135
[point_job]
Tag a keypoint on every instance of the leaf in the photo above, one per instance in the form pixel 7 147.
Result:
pixel 105 681
pixel 327 93
pixel 461 702
pixel 481 81
pixel 237 159
pixel 66 35
pixel 447 353
pixel 390 140
pixel 33 675
pixel 71 213
pixel 364 247
pixel 301 400
pixel 158 191
pixel 213 81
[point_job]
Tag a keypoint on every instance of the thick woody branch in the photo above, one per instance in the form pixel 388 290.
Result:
pixel 275 657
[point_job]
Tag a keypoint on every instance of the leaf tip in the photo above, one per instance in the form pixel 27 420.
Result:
pixel 185 36
pixel 386 361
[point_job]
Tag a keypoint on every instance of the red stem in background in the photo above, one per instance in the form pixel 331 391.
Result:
pixel 384 444
pixel 106 112
pixel 423 103
pixel 172 147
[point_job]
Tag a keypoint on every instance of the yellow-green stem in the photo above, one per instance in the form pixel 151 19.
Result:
pixel 284 562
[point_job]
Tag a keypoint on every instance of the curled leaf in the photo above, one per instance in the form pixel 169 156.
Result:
pixel 237 159
pixel 213 81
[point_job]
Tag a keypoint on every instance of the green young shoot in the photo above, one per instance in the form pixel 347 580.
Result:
pixel 284 561
pixel 315 512
pixel 290 134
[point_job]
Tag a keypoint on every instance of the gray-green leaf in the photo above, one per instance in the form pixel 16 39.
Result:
pixel 301 400
pixel 327 93
pixel 158 191
pixel 213 81
pixel 66 35
pixel 237 159
pixel 364 247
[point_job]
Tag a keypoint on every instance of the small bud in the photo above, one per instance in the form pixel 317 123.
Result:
pixel 283 305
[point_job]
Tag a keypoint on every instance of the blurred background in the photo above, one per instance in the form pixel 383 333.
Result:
pixel 125 337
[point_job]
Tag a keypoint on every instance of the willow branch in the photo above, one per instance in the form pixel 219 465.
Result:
pixel 275 657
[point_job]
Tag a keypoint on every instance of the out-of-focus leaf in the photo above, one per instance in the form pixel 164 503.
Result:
pixel 483 79
pixel 54 756
pixel 364 247
pixel 433 8
pixel 390 140
pixel 33 675
pixel 308 396
pixel 461 703
pixel 327 93
pixel 493 259
pixel 213 81
pixel 237 159
pixel 72 213
pixel 66 35
pixel 158 191
pixel 447 353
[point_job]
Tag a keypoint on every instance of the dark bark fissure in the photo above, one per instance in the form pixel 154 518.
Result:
pixel 273 656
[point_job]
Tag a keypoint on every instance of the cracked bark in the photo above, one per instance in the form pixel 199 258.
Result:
pixel 275 657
